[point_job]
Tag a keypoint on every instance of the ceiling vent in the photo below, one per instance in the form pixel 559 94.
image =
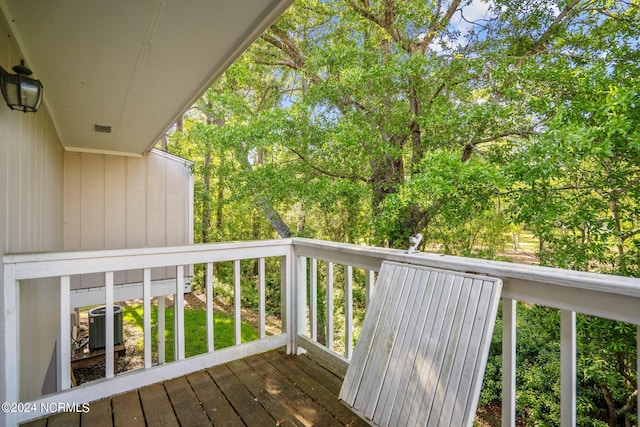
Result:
pixel 102 128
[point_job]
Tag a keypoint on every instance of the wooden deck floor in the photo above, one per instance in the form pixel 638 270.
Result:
pixel 270 389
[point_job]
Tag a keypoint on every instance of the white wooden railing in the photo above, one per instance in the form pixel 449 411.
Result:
pixel 572 292
pixel 605 296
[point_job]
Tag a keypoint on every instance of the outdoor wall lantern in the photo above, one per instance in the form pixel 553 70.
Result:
pixel 20 91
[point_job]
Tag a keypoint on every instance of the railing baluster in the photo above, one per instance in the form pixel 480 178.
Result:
pixel 301 296
pixel 109 329
pixel 329 303
pixel 146 301
pixel 508 362
pixel 178 315
pixel 236 299
pixel 567 368
pixel 261 297
pixel 286 300
pixel 348 311
pixel 209 296
pixel 313 297
pixel 161 329
pixel 369 280
pixel 64 348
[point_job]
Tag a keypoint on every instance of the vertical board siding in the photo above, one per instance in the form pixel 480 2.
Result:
pixel 422 351
pixel 114 202
pixel 31 217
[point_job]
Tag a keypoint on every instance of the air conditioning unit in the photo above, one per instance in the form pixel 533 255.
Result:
pixel 97 323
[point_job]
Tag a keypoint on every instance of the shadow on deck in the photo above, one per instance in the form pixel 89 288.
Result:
pixel 267 389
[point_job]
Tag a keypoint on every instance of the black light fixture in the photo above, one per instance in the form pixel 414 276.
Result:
pixel 20 91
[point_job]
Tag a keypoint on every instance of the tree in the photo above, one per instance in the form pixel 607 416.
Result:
pixel 385 83
pixel 370 120
pixel 577 187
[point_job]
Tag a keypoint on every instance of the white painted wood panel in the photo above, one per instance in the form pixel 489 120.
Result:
pixel 422 352
pixel 31 212
pixel 114 202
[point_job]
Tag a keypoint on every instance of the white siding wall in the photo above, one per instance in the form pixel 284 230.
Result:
pixel 31 187
pixel 114 202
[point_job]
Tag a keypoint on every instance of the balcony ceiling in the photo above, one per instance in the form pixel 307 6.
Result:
pixel 133 66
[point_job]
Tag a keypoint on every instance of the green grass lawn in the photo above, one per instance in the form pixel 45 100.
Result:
pixel 195 321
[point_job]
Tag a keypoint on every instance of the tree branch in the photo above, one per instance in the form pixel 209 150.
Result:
pixel 328 173
pixel 541 44
pixel 438 24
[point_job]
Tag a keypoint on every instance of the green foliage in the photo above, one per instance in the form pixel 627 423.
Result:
pixel 367 122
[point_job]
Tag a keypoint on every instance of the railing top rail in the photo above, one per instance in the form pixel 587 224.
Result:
pixel 370 256
pixel 51 264
pixel 37 265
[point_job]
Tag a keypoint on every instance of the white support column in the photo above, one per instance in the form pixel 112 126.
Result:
pixel 236 303
pixel 329 303
pixel 109 329
pixel 348 311
pixel 161 330
pixel 638 370
pixel 261 297
pixel 64 344
pixel 286 300
pixel 508 362
pixel 9 391
pixel 178 315
pixel 209 297
pixel 313 297
pixel 146 301
pixel 567 368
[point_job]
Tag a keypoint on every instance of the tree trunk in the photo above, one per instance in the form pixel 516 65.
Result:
pixel 611 405
pixel 273 217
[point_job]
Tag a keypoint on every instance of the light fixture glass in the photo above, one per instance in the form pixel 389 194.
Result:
pixel 20 91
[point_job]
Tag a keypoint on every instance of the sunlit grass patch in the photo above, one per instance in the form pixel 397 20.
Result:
pixel 195 326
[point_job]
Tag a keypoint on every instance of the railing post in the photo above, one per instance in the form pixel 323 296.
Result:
pixel 11 350
pixel 508 362
pixel 313 297
pixel 369 280
pixel 301 297
pixel 567 368
pixel 638 370
pixel 288 299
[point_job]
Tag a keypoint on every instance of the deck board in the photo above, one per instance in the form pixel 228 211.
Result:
pixel 247 406
pixel 64 419
pixel 213 401
pixel 291 367
pixel 267 389
pixel 127 411
pixel 99 415
pixel 185 403
pixel 157 407
pixel 301 408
